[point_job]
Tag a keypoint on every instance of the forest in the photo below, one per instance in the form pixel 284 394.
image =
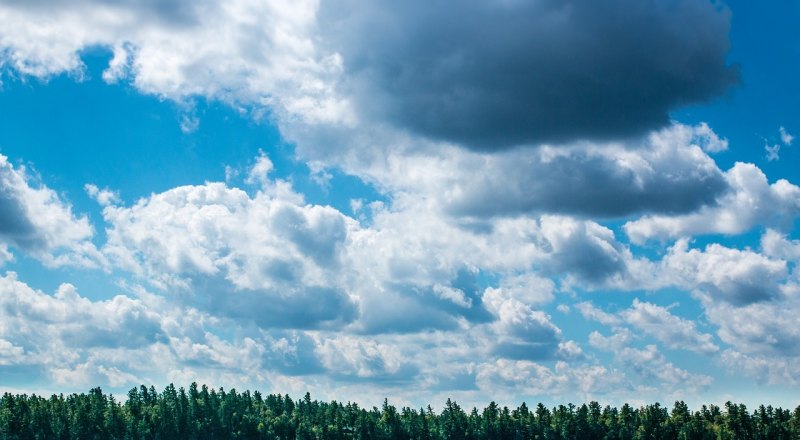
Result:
pixel 203 413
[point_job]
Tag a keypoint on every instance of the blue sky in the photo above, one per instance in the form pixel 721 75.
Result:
pixel 543 201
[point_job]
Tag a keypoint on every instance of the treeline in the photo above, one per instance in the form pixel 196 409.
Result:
pixel 202 413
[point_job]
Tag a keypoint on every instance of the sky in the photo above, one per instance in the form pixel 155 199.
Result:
pixel 489 200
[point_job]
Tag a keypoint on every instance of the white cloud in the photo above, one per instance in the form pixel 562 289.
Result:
pixel 589 311
pixel 241 52
pixel 775 244
pixel 104 197
pixel 651 365
pixel 750 202
pixel 770 370
pixel 729 275
pixel 57 335
pixel 260 258
pixel 650 319
pixel 786 138
pixel 533 379
pixel 615 343
pixel 38 222
pixel 673 331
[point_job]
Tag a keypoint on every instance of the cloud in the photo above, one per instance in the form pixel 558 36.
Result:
pixel 335 63
pixel 258 258
pixel 773 150
pixel 673 331
pixel 760 328
pixel 586 250
pixel 650 319
pixel 532 379
pixel 666 172
pixel 38 222
pixel 775 244
pixel 770 370
pixel 652 366
pixel 786 138
pixel 255 54
pixel 751 201
pixel 738 277
pixel 591 312
pixel 508 73
pixel 522 333
pixel 355 359
pixel 615 343
pixel 52 336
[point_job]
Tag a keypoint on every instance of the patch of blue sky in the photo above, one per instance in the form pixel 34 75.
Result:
pixel 94 284
pixel 769 61
pixel 78 132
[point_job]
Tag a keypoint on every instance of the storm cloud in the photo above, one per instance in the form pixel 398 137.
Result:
pixel 493 74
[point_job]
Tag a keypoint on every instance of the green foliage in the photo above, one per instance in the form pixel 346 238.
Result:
pixel 200 413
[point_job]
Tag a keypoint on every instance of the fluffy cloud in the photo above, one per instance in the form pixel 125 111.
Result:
pixel 533 379
pixel 765 369
pixel 260 258
pixel 652 320
pixel 52 335
pixel 244 52
pixel 751 201
pixel 651 365
pixel 666 172
pixel 355 359
pixel 522 332
pixel 759 328
pixel 734 276
pixel 37 221
pixel 673 331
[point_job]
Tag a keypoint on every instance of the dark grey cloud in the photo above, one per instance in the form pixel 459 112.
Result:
pixel 491 74
pixel 589 184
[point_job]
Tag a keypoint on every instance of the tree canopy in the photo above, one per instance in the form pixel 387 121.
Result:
pixel 200 413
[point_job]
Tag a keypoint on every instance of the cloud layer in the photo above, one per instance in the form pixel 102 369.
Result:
pixel 542 228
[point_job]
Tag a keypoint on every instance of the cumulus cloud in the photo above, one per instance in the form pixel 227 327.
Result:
pixel 751 201
pixel 355 359
pixel 673 331
pixel 666 172
pixel 512 73
pixel 259 258
pixel 37 221
pixel 775 244
pixel 651 365
pixel 522 332
pixel 534 379
pixel 770 370
pixel 591 312
pixel 50 335
pixel 650 319
pixel 734 276
pixel 249 53
pixel 585 249
pixel 758 329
